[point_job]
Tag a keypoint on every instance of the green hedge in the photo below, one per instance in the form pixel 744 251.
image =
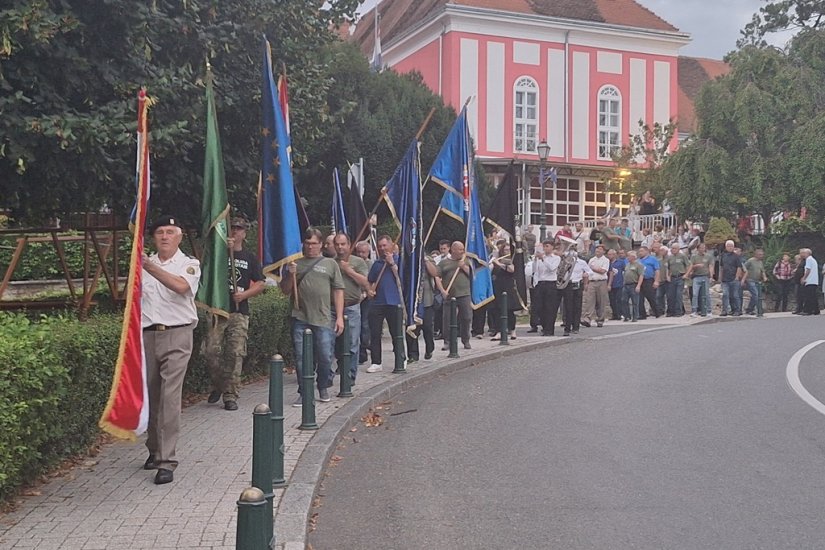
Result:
pixel 56 372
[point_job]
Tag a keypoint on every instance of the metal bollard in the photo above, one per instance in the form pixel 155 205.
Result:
pixel 307 386
pixel 262 449
pixel 453 329
pixel 503 324
pixel 345 364
pixel 398 343
pixel 276 404
pixel 252 520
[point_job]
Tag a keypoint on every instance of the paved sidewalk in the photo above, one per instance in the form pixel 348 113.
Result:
pixel 111 502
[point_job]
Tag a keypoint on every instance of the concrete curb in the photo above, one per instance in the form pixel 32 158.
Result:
pixel 294 510
pixel 295 507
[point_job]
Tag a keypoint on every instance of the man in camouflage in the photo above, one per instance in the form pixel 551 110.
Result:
pixel 225 344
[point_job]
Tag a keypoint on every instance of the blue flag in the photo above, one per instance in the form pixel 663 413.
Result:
pixel 339 215
pixel 453 170
pixel 280 238
pixel 402 194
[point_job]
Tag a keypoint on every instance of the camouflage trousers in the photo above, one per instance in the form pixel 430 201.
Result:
pixel 225 349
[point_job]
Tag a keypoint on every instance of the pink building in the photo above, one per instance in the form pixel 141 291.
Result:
pixel 579 74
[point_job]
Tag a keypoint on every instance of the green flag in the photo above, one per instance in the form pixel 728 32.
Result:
pixel 213 292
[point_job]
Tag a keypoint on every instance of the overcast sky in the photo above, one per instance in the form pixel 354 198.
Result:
pixel 714 25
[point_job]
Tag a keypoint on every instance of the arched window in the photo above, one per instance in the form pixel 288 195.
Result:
pixel 610 122
pixel 525 115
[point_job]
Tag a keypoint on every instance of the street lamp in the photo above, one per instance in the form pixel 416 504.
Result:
pixel 544 152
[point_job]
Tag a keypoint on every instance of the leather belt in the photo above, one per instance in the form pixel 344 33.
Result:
pixel 160 328
pixel 351 304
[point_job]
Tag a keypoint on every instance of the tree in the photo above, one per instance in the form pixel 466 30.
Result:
pixel 644 156
pixel 374 116
pixel 70 71
pixel 780 16
pixel 759 143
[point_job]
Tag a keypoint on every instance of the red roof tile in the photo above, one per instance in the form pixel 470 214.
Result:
pixel 399 15
pixel 694 72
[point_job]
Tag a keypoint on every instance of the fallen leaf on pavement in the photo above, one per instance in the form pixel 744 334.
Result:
pixel 372 419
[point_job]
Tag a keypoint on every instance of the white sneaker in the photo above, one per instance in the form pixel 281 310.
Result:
pixel 694 314
pixel 375 368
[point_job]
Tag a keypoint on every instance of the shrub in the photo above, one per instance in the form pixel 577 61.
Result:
pixel 56 372
pixel 31 385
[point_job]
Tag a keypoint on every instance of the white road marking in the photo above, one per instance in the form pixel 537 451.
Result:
pixel 792 374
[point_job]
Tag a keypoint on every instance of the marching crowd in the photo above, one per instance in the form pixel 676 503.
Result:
pixel 589 277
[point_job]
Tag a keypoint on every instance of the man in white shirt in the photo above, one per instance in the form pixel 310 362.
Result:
pixel 810 298
pixel 170 282
pixel 545 273
pixel 596 293
pixel 572 294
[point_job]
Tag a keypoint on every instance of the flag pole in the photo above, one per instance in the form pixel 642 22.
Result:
pixel 418 135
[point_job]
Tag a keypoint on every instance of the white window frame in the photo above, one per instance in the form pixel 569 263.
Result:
pixel 609 135
pixel 523 142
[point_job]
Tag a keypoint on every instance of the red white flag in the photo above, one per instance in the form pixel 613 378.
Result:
pixel 127 412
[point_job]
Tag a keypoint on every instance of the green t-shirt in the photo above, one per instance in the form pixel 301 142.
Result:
pixel 701 264
pixel 352 292
pixel 755 269
pixel 677 264
pixel 318 278
pixel 633 272
pixel 610 240
pixel 664 268
pixel 461 286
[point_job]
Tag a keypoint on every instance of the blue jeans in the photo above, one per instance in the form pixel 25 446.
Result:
pixel 323 343
pixel 755 290
pixel 353 315
pixel 731 297
pixel 675 296
pixel 629 292
pixel 701 295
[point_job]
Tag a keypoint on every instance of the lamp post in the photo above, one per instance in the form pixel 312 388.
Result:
pixel 543 151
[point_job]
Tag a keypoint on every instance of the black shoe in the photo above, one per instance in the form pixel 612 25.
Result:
pixel 566 333
pixel 584 324
pixel 230 405
pixel 411 360
pixel 150 463
pixel 532 330
pixel 600 324
pixel 214 397
pixel 428 356
pixel 467 346
pixel 164 476
pixel 546 333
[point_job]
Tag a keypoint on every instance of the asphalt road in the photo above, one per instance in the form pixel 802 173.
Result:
pixel 683 438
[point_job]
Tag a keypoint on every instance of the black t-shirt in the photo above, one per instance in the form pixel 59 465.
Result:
pixel 247 271
pixel 729 263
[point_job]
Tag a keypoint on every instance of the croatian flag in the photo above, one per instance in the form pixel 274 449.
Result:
pixel 127 411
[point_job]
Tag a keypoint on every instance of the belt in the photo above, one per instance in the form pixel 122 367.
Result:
pixel 553 281
pixel 351 304
pixel 160 328
pixel 630 284
pixel 677 276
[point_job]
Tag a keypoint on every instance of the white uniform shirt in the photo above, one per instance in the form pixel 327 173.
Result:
pixel 579 270
pixel 546 269
pixel 163 306
pixel 601 263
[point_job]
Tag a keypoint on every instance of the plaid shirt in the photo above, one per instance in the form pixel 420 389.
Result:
pixel 783 271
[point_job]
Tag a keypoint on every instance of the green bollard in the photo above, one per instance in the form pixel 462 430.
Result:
pixel 505 332
pixel 398 343
pixel 453 329
pixel 308 383
pixel 276 404
pixel 344 364
pixel 251 533
pixel 262 450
